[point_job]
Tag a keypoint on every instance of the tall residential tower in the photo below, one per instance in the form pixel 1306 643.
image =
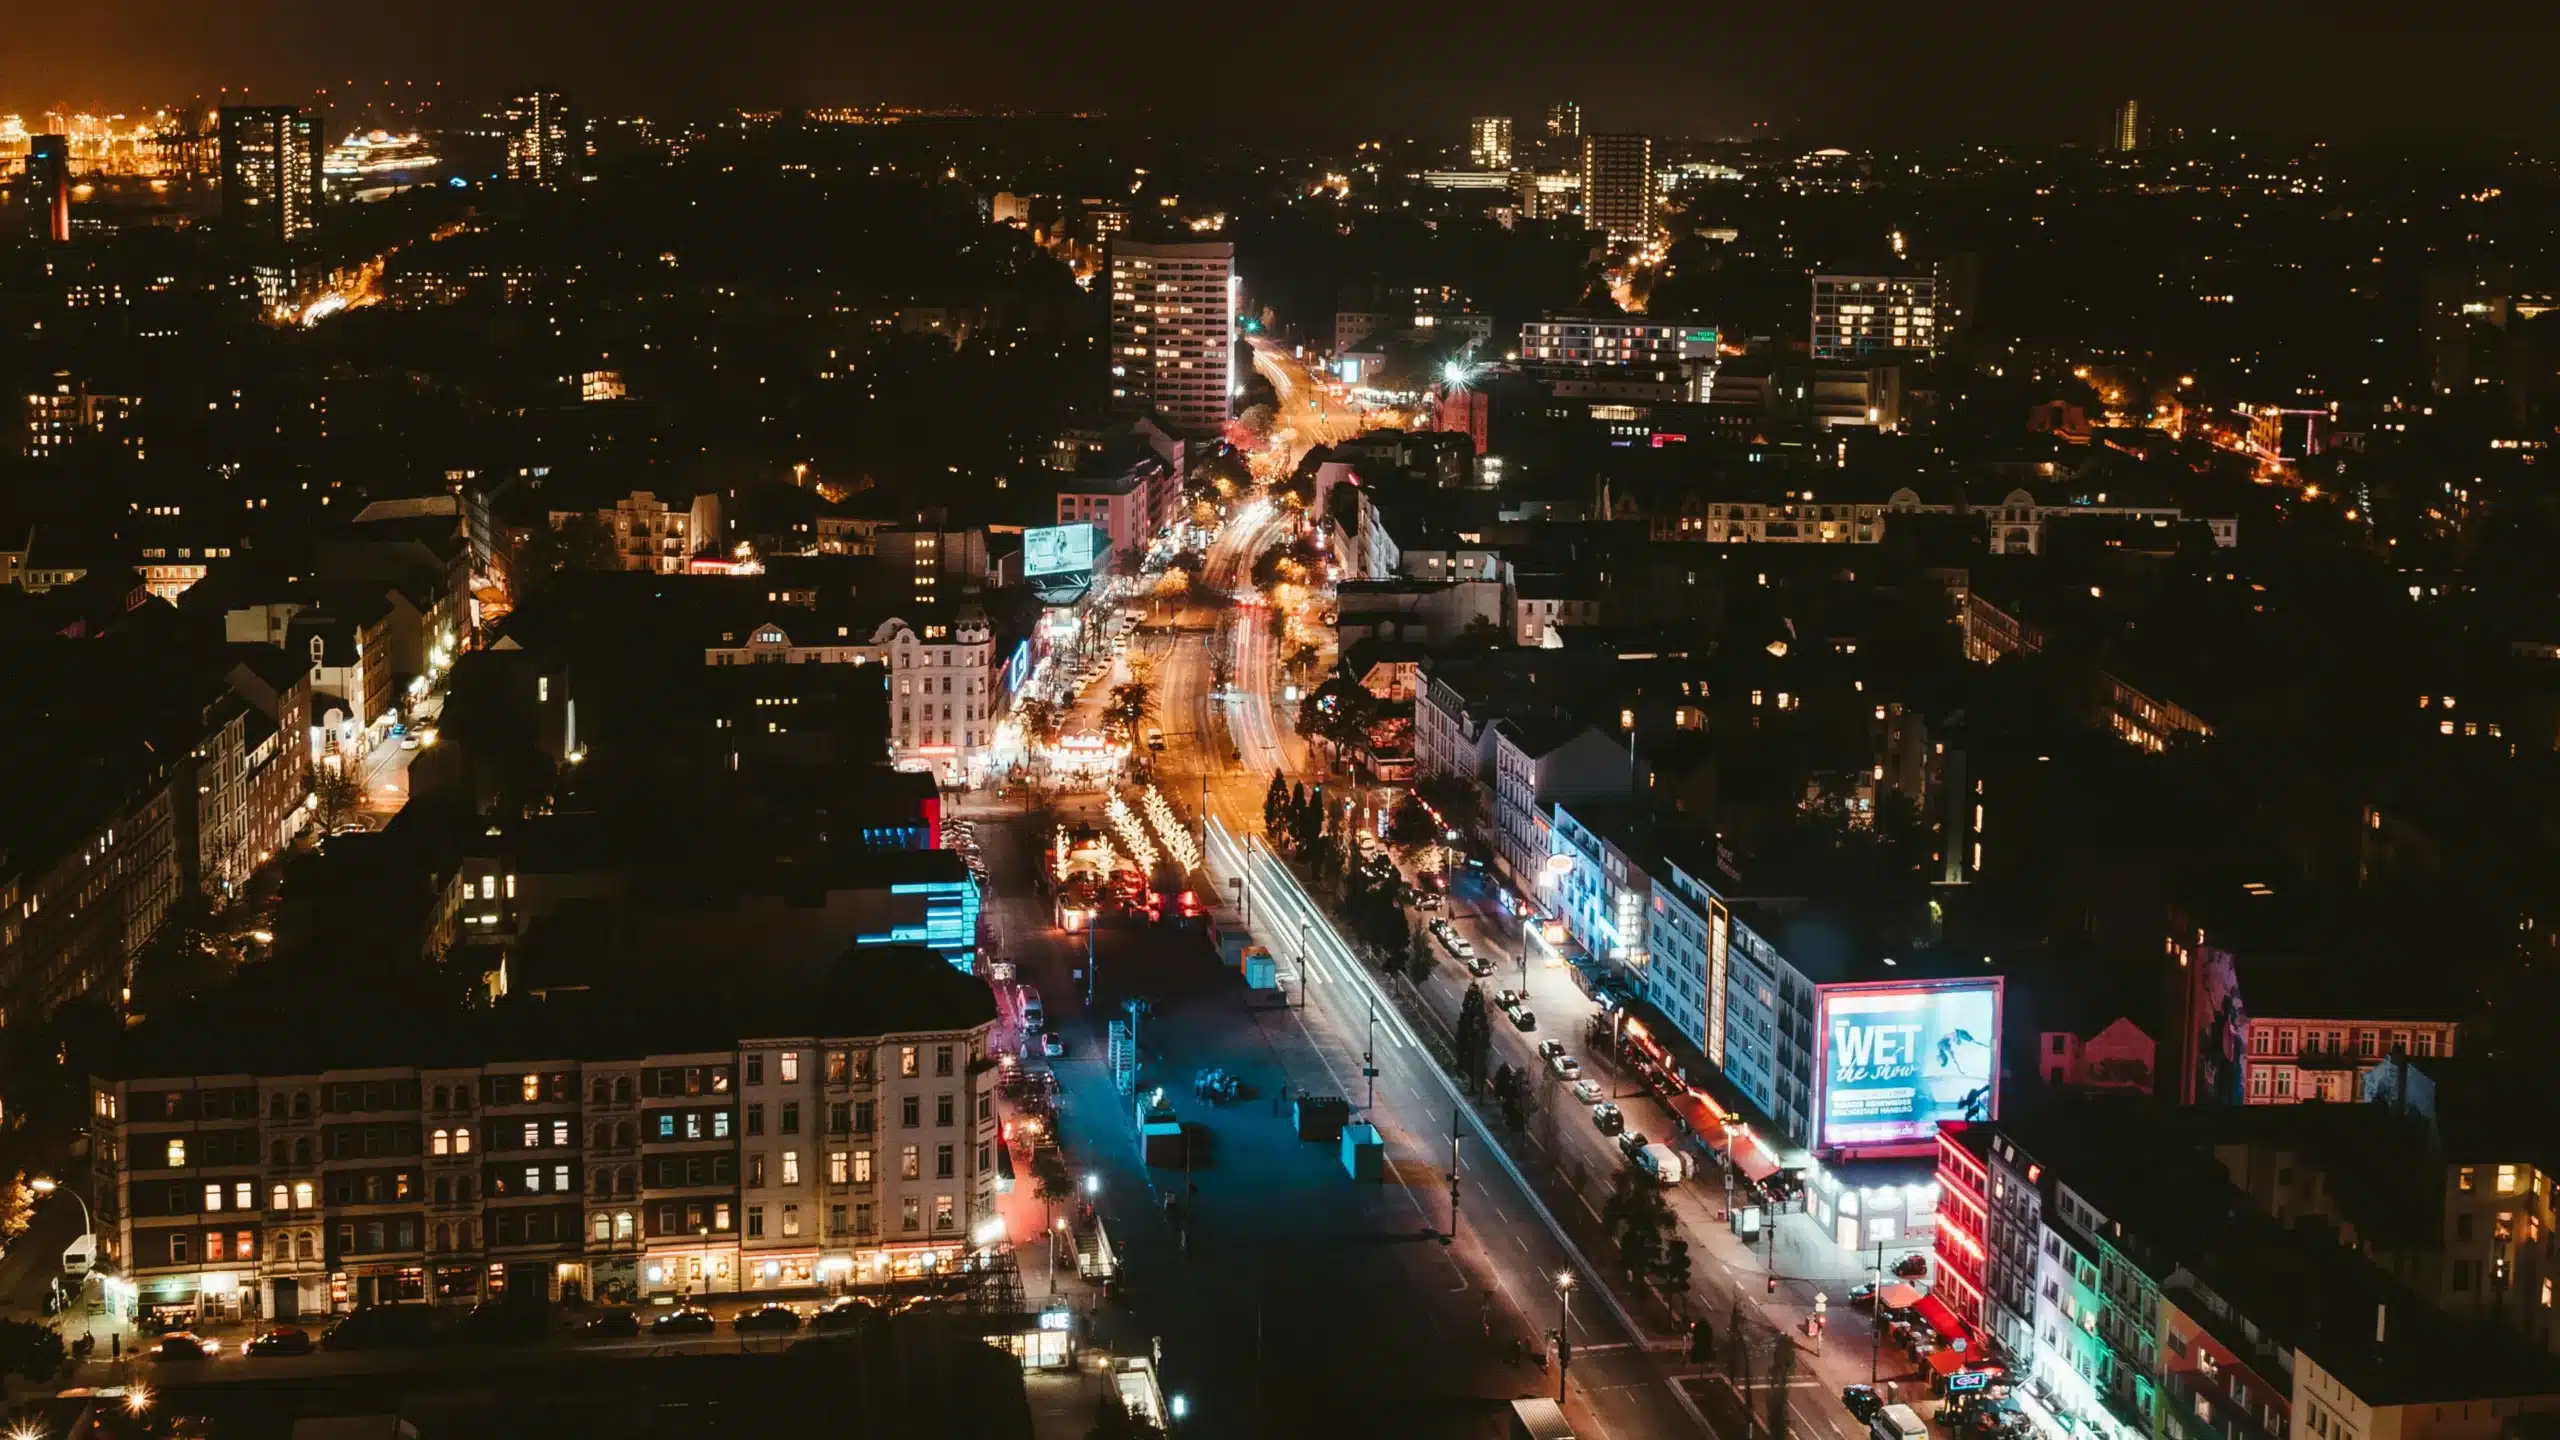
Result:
pixel 543 142
pixel 49 185
pixel 1489 142
pixel 270 171
pixel 1618 187
pixel 1173 330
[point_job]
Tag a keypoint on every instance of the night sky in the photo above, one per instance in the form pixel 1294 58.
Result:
pixel 1870 72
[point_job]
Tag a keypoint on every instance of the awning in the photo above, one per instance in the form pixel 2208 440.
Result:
pixel 1939 1317
pixel 1945 1362
pixel 1898 1297
pixel 1753 1162
pixel 1701 1118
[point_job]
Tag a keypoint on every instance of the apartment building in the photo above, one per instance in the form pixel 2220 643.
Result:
pixel 1173 312
pixel 654 532
pixel 833 1139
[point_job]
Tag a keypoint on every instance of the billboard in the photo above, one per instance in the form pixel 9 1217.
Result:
pixel 1056 550
pixel 1899 1057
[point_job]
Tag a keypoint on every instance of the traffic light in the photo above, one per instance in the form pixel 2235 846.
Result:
pixel 1702 1342
pixel 1773 1284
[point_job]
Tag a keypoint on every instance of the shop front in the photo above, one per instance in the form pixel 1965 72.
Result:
pixel 703 1270
pixel 783 1270
pixel 1887 1204
pixel 206 1298
pixel 1045 1341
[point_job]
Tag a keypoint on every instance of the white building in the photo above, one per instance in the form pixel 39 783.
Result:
pixel 943 695
pixel 1489 142
pixel 1173 312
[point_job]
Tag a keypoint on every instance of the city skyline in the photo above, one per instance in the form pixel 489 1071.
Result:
pixel 2005 80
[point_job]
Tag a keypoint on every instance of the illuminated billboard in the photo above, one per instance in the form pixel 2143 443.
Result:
pixel 1899 1057
pixel 1057 550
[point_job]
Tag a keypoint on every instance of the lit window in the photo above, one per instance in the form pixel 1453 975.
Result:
pixel 790 1167
pixel 462 1141
pixel 532 1088
pixel 213 1197
pixel 177 1154
pixel 790 1066
pixel 440 1143
pixel 304 1194
pixel 2506 1179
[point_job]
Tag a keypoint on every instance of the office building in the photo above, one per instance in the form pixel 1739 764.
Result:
pixel 1585 341
pixel 1564 121
pixel 544 144
pixel 2129 128
pixel 554 1150
pixel 270 171
pixel 1489 142
pixel 1173 310
pixel 1617 187
pixel 1856 317
pixel 49 185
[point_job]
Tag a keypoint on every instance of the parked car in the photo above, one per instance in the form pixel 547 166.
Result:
pixel 1566 1067
pixel 1429 900
pixel 1550 1049
pixel 1863 1402
pixel 684 1320
pixel 1606 1116
pixel 381 1327
pixel 1524 1019
pixel 612 1325
pixel 282 1340
pixel 844 1314
pixel 1632 1143
pixel 1913 1265
pixel 504 1322
pixel 1478 965
pixel 1506 999
pixel 1051 1045
pixel 1863 1294
pixel 1587 1091
pixel 767 1319
pixel 185 1345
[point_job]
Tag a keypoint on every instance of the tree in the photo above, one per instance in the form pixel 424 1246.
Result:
pixel 1113 1420
pixel 1636 1217
pixel 1411 827
pixel 1131 706
pixel 1043 720
pixel 1474 1042
pixel 339 797
pixel 1418 957
pixel 31 1349
pixel 545 552
pixel 1782 1374
pixel 1674 1272
pixel 179 960
pixel 1510 1088
pixel 1275 806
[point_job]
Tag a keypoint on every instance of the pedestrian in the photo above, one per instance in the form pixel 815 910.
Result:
pixel 115 1346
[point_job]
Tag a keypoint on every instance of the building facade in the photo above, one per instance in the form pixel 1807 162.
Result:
pixel 1173 310
pixel 1856 317
pixel 1489 142
pixel 544 143
pixel 1618 196
pixel 1585 341
pixel 773 1164
pixel 270 156
pixel 945 691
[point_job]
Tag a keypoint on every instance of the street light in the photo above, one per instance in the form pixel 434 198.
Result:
pixel 1564 1347
pixel 46 1185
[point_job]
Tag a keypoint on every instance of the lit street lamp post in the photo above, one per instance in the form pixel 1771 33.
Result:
pixel 1564 1346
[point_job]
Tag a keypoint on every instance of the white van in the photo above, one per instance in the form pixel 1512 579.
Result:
pixel 80 1256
